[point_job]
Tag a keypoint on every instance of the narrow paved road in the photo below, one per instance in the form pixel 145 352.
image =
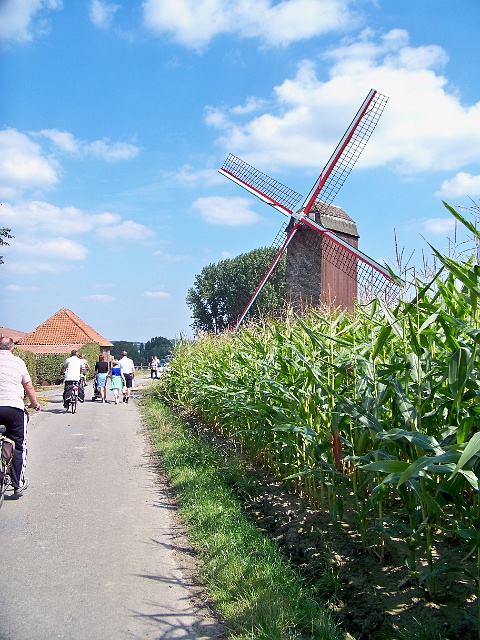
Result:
pixel 91 550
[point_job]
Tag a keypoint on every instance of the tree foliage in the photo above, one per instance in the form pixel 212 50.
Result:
pixel 4 233
pixel 222 291
pixel 133 351
pixel 142 353
pixel 158 346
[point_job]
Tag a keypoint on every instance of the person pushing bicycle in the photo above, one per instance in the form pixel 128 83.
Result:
pixel 15 381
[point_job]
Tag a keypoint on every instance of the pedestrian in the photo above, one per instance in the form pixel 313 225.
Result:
pixel 128 370
pixel 15 381
pixel 101 373
pixel 154 367
pixel 117 380
pixel 72 368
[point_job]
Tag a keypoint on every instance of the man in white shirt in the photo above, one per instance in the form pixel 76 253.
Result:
pixel 14 382
pixel 128 370
pixel 72 369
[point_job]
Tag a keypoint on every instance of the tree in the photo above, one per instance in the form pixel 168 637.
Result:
pixel 159 347
pixel 4 233
pixel 133 351
pixel 222 291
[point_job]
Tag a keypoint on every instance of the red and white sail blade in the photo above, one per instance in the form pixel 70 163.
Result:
pixel 293 229
pixel 347 152
pixel 346 246
pixel 267 189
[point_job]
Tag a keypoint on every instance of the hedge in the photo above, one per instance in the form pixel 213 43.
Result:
pixel 47 367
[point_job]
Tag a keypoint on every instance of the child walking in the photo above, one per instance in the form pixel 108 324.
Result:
pixel 117 381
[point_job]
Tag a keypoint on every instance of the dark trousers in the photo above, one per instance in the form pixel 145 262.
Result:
pixel 15 421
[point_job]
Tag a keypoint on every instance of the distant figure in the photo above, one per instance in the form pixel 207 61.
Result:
pixel 84 367
pixel 128 370
pixel 14 382
pixel 154 367
pixel 117 380
pixel 101 373
pixel 72 368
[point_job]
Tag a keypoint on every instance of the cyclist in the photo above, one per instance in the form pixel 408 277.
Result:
pixel 83 370
pixel 72 369
pixel 14 382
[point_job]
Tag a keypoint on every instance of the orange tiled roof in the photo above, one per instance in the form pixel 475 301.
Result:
pixel 64 328
pixel 12 333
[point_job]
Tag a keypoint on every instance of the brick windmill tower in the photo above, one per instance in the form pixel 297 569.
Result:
pixel 317 271
pixel 324 263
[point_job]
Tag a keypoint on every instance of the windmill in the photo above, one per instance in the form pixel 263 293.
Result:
pixel 344 266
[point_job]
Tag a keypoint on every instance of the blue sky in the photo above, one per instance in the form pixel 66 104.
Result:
pixel 116 116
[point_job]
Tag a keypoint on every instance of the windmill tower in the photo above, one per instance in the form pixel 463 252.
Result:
pixel 314 275
pixel 324 263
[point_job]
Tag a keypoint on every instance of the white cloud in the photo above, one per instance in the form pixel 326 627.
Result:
pixel 193 178
pixel 29 255
pixel 42 218
pixel 307 115
pixel 32 267
pixel 111 151
pixel 42 230
pixel 463 184
pixel 439 226
pixel 194 23
pixel 64 140
pixel 23 165
pixel 45 219
pixel 57 249
pixel 251 104
pixel 169 258
pixel 127 230
pixel 102 13
pixel 21 20
pixel 104 149
pixel 155 294
pixel 232 212
pixel 99 298
pixel 16 288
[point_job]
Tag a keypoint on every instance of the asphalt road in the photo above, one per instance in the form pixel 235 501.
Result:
pixel 93 549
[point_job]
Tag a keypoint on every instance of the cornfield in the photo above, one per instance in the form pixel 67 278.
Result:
pixel 377 409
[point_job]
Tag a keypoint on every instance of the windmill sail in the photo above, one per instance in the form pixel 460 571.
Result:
pixel 368 276
pixel 267 189
pixel 348 151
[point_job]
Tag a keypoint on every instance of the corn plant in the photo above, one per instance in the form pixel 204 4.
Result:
pixel 373 408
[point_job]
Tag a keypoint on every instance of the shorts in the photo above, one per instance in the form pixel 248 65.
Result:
pixel 128 380
pixel 101 379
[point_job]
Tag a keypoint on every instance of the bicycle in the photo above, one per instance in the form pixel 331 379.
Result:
pixel 7 447
pixel 73 399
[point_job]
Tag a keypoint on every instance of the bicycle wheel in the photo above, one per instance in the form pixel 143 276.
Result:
pixel 73 403
pixel 3 479
pixel 6 453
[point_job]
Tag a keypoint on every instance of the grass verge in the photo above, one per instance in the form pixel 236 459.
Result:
pixel 251 584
